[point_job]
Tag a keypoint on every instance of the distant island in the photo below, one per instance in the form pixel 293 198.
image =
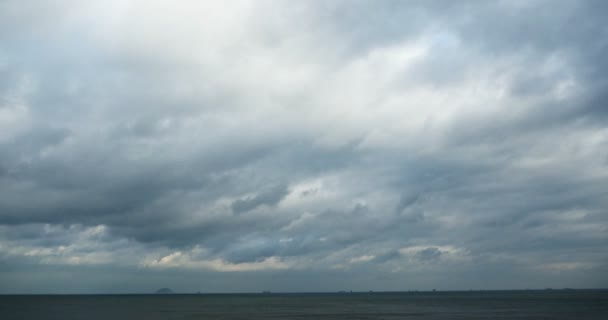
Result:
pixel 164 291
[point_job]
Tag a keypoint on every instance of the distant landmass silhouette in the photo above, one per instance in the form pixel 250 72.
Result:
pixel 164 291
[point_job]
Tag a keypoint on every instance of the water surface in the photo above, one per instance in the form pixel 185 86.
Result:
pixel 554 304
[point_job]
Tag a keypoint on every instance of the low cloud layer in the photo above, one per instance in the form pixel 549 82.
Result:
pixel 322 145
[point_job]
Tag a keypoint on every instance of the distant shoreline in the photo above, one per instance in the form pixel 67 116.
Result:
pixel 345 293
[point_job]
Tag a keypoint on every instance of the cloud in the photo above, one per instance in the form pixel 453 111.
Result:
pixel 269 197
pixel 428 254
pixel 394 143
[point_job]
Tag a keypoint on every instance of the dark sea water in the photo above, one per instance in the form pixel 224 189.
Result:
pixel 554 304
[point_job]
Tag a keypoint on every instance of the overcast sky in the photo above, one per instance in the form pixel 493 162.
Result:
pixel 223 146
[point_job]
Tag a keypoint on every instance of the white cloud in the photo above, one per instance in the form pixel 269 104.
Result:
pixel 187 260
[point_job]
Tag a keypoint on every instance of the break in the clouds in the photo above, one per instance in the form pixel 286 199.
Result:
pixel 301 146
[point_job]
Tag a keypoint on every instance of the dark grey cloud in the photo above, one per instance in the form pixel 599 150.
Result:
pixel 429 254
pixel 269 197
pixel 379 145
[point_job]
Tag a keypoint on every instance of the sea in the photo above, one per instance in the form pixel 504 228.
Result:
pixel 541 304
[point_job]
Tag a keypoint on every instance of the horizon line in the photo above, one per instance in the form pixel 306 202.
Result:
pixel 345 292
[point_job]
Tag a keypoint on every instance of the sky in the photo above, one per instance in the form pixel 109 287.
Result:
pixel 242 146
